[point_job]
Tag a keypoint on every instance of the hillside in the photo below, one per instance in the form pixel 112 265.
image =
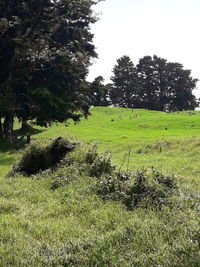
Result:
pixel 169 142
pixel 74 226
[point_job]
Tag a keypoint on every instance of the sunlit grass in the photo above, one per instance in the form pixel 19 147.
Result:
pixel 72 226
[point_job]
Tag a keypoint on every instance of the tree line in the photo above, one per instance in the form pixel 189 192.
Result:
pixel 154 84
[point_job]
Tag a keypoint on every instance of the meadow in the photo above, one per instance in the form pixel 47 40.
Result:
pixel 74 226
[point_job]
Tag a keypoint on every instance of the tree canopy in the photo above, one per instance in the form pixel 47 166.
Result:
pixel 125 83
pixel 154 84
pixel 98 93
pixel 45 52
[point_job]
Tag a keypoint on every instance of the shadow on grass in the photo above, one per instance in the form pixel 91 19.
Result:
pixel 30 130
pixel 5 147
pixel 22 140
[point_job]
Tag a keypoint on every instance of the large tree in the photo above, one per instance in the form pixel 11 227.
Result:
pixel 154 81
pixel 45 50
pixel 124 92
pixel 165 84
pixel 153 84
pixel 181 87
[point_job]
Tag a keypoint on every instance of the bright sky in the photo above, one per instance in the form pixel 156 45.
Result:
pixel 167 28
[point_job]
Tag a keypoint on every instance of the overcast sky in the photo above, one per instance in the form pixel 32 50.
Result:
pixel 167 28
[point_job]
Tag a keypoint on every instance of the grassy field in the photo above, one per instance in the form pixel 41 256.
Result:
pixel 169 142
pixel 73 226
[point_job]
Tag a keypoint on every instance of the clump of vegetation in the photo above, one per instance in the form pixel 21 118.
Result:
pixel 99 163
pixel 37 158
pixel 142 188
pixel 132 189
pixel 64 176
pixel 149 189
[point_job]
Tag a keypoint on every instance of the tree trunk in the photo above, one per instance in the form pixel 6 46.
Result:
pixel 8 127
pixel 24 126
pixel 1 130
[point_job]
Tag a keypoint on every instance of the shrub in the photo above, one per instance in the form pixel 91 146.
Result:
pixel 101 165
pixel 149 189
pixel 137 189
pixel 91 155
pixel 36 158
pixel 109 187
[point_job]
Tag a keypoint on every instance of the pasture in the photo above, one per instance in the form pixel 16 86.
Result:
pixel 73 226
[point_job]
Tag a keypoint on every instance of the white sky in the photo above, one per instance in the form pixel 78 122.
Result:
pixel 167 28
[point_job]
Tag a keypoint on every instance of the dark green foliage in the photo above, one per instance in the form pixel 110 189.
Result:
pixel 37 158
pixel 63 176
pixel 124 92
pixel 165 85
pixel 110 187
pixel 101 165
pixel 98 93
pixel 167 181
pixel 45 48
pixel 91 155
pixel 153 84
pixel 143 188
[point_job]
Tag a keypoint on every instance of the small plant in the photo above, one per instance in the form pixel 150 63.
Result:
pixel 167 181
pixel 101 165
pixel 110 187
pixel 136 190
pixel 91 155
pixel 149 189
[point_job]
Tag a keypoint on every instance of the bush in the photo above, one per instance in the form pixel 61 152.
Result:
pixel 99 164
pixel 37 158
pixel 91 155
pixel 133 189
pixel 149 189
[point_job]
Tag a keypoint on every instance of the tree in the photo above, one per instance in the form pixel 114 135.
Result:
pixel 45 51
pixel 153 81
pixel 98 93
pixel 181 86
pixel 124 92
pixel 165 84
pixel 154 84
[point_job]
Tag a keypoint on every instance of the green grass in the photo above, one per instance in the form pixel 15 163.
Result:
pixel 169 142
pixel 72 226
